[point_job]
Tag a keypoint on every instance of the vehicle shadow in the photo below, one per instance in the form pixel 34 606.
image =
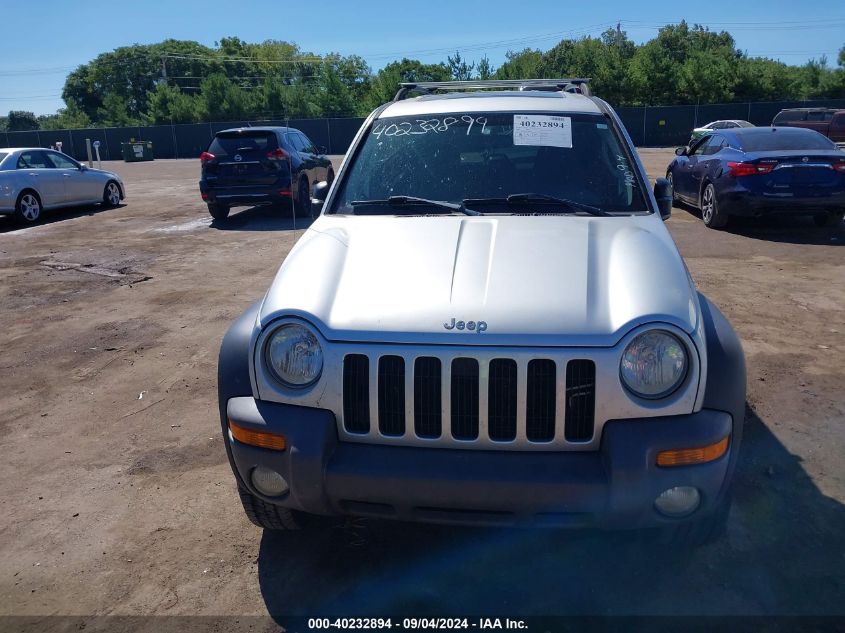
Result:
pixel 261 218
pixel 781 554
pixel 9 223
pixel 785 229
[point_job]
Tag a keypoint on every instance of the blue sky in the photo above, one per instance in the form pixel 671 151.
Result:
pixel 63 35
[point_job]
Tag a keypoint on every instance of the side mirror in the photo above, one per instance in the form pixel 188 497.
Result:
pixel 663 195
pixel 83 167
pixel 318 197
pixel 681 151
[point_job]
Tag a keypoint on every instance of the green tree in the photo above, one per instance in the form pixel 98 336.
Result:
pixel 21 121
pixel 458 67
pixel 168 104
pixel 524 64
pixel 386 82
pixel 68 118
pixel 483 69
pixel 333 97
pixel 221 99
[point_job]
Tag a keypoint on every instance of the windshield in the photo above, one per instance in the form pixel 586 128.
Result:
pixel 795 139
pixel 472 156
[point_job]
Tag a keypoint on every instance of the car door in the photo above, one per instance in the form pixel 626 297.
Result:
pixel 706 159
pixel 321 161
pixel 37 171
pixel 81 185
pixel 309 156
pixel 682 176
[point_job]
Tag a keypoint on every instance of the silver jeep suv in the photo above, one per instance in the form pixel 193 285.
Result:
pixel 489 323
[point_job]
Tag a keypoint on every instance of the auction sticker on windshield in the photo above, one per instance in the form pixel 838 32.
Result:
pixel 551 131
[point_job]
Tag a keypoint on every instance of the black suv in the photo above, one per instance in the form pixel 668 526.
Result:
pixel 262 165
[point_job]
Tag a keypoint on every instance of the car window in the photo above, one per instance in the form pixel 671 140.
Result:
pixel 61 161
pixel 816 116
pixel 744 124
pixel 248 143
pixel 296 142
pixel 34 160
pixel 698 150
pixel 714 143
pixel 730 124
pixel 789 116
pixel 2 157
pixel 309 146
pixel 786 139
pixel 450 157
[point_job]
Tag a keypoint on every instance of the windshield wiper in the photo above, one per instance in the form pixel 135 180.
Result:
pixel 413 201
pixel 539 198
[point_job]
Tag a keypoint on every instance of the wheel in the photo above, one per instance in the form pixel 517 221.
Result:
pixel 272 517
pixel 28 207
pixel 710 213
pixel 111 194
pixel 303 200
pixel 218 211
pixel 828 219
pixel 697 533
pixel 330 176
pixel 672 184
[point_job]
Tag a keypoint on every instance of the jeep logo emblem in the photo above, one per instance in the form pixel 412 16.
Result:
pixel 473 326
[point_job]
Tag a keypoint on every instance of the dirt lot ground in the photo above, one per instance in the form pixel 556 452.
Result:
pixel 117 497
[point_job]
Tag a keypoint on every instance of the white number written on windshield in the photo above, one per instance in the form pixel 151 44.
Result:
pixel 426 126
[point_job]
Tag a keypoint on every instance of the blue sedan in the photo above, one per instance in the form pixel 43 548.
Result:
pixel 760 171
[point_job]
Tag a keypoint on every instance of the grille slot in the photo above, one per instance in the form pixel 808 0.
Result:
pixel 391 395
pixel 501 400
pixel 580 400
pixel 356 394
pixel 465 398
pixel 428 420
pixel 540 413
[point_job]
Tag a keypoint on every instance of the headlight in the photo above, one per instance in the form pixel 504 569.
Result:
pixel 654 364
pixel 294 356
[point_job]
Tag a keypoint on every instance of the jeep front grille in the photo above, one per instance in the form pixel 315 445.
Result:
pixel 498 403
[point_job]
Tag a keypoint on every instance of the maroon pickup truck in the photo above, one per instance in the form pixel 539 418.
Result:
pixel 827 121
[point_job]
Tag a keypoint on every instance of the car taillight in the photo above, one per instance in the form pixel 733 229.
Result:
pixel 277 154
pixel 749 169
pixel 840 165
pixel 206 156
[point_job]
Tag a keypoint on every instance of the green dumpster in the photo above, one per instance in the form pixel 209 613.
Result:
pixel 135 151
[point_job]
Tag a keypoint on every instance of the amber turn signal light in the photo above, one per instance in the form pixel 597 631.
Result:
pixel 688 456
pixel 262 439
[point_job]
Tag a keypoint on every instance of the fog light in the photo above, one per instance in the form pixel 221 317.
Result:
pixel 268 482
pixel 678 501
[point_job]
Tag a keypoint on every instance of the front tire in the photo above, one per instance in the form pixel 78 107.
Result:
pixel 829 220
pixel 111 194
pixel 671 180
pixel 218 211
pixel 28 207
pixel 711 213
pixel 272 517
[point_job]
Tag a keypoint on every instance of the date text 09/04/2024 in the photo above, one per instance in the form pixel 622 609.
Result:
pixel 416 623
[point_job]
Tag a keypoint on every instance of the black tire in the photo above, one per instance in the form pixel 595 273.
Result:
pixel 111 194
pixel 303 200
pixel 671 180
pixel 28 207
pixel 218 211
pixel 702 532
pixel 829 220
pixel 713 216
pixel 272 517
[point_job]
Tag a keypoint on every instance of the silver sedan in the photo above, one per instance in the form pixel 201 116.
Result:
pixel 33 179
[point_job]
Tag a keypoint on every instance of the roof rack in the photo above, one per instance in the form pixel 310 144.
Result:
pixel 569 84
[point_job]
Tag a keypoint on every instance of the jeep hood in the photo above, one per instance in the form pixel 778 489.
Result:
pixel 534 280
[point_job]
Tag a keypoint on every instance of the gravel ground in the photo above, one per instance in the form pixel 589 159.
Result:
pixel 118 499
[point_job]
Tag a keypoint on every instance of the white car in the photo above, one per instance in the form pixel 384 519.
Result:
pixel 726 124
pixel 489 323
pixel 33 180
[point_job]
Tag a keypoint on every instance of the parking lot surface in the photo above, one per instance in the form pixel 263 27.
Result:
pixel 117 497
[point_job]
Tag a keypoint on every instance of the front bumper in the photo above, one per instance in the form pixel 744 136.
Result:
pixel 611 488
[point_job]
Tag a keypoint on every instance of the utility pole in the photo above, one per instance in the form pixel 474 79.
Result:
pixel 164 69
